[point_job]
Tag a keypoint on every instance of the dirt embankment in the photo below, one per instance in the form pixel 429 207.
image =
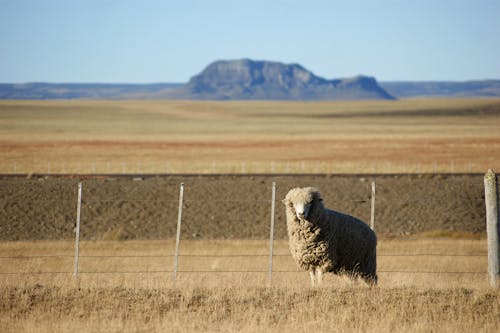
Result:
pixel 230 207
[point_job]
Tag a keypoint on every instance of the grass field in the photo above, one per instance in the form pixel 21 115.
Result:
pixel 420 262
pixel 460 135
pixel 440 299
pixel 426 283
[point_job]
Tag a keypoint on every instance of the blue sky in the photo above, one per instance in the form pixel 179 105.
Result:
pixel 145 41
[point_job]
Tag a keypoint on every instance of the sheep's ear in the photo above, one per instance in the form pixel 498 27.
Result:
pixel 284 201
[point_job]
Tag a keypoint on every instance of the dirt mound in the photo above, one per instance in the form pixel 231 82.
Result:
pixel 229 206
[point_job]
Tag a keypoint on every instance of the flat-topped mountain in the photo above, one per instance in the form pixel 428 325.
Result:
pixel 247 79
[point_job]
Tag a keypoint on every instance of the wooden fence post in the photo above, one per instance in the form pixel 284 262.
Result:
pixel 271 235
pixel 178 235
pixel 491 202
pixel 372 217
pixel 77 230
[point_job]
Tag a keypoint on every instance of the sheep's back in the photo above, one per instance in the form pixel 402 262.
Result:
pixel 353 240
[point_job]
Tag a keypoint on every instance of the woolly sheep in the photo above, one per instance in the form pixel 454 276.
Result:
pixel 323 240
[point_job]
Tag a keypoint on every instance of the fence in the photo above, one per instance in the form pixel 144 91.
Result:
pixel 492 224
pixel 177 256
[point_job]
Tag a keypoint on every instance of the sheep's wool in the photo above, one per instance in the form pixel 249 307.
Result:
pixel 323 240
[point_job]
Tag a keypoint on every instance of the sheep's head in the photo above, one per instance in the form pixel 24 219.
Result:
pixel 301 201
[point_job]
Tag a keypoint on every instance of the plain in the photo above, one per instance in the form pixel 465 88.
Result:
pixel 426 283
pixel 77 136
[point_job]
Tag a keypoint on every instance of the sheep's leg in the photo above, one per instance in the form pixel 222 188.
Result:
pixel 370 279
pixel 316 275
pixel 319 276
pixel 313 278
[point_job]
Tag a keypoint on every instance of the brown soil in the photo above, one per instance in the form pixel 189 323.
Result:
pixel 229 206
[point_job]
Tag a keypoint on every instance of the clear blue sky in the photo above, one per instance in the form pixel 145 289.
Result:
pixel 144 41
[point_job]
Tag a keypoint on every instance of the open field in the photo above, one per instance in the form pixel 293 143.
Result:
pixel 460 135
pixel 439 299
pixel 427 283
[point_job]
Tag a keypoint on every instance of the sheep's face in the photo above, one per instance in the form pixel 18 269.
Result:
pixel 302 210
pixel 300 200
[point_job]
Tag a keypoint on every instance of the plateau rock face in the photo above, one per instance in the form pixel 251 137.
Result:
pixel 265 80
pixel 242 79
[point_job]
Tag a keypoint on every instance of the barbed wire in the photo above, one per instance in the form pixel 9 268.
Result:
pixel 230 255
pixel 163 201
pixel 176 200
pixel 172 199
pixel 230 271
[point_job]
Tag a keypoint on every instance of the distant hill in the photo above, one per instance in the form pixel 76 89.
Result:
pixel 82 90
pixel 247 79
pixel 243 79
pixel 407 89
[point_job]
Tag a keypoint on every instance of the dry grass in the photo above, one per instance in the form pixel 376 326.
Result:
pixel 426 284
pixel 53 309
pixel 239 137
pixel 209 262
pixel 209 301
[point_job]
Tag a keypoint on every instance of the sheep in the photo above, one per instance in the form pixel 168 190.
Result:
pixel 323 240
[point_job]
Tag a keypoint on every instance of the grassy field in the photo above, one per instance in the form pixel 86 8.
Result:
pixel 460 135
pixel 426 283
pixel 420 262
pixel 417 291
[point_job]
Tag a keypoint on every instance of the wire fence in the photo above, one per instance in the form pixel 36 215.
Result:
pixel 132 197
pixel 154 201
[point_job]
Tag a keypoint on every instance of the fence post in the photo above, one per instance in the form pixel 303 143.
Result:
pixel 271 235
pixel 491 202
pixel 178 235
pixel 77 231
pixel 372 218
